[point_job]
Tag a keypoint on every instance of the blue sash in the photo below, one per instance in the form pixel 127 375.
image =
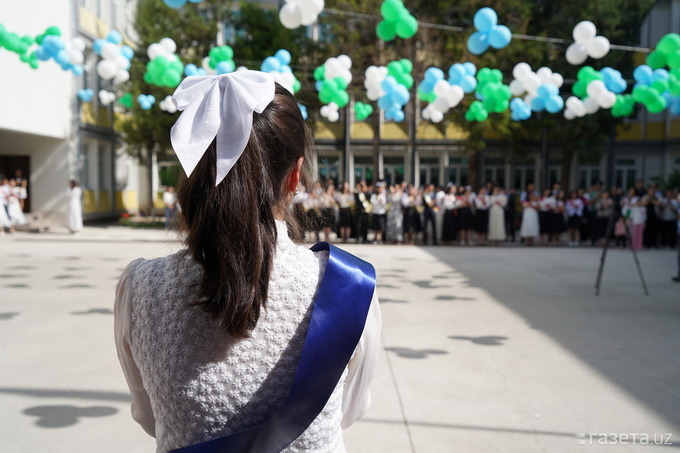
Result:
pixel 337 322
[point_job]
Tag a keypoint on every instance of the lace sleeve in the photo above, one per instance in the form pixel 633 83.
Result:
pixel 141 406
pixel 357 395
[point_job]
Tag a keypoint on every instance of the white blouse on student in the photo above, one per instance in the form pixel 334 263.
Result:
pixel 191 381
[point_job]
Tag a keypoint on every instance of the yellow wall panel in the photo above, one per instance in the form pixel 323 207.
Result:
pixel 328 131
pixel 104 202
pixel 428 131
pixel 455 132
pixel 88 22
pixel 362 131
pixel 89 202
pixel 87 113
pixel 394 131
pixel 675 129
pixel 656 131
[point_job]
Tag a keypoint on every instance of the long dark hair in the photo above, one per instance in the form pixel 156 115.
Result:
pixel 230 227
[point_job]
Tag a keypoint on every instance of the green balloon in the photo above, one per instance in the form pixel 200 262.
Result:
pixel 660 85
pixel 386 30
pixel 669 43
pixel 219 54
pixel 477 112
pixel 623 106
pixel 126 100
pixel 427 97
pixel 657 104
pixel 407 27
pixel 362 111
pixel 320 73
pixel 657 60
pixel 296 85
pixel 53 30
pixel 674 60
pixel 392 10
pixel 342 99
pixel 406 65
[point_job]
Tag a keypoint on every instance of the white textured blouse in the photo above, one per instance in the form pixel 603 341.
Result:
pixel 191 381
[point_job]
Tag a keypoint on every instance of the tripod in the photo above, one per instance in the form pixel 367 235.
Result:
pixel 610 226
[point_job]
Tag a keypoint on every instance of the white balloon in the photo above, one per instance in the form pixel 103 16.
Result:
pixel 205 64
pixel 576 53
pixel 345 61
pixel 590 104
pixel 110 51
pixel 455 95
pixel 168 105
pixel 318 6
pixel 595 88
pixel 155 50
pixel 569 114
pixel 606 100
pixel 106 97
pixel 309 12
pixel 576 105
pixel 122 76
pixel 291 15
pixel 75 56
pixel 441 105
pixel 436 116
pixel 333 117
pixel 78 43
pixel 598 47
pixel 531 83
pixel 168 44
pixel 584 31
pixel 544 74
pixel 332 68
pixel 427 113
pixel 516 87
pixel 556 79
pixel 529 98
pixel 122 62
pixel 521 70
pixel 324 111
pixel 441 88
pixel 106 69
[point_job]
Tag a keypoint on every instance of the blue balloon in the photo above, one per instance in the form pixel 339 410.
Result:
pixel 485 19
pixel 270 64
pixel 303 111
pixel 77 69
pixel 659 74
pixel 470 68
pixel 97 45
pixel 195 1
pixel 85 95
pixel 547 90
pixel 554 104
pixel 400 95
pixel 175 3
pixel 127 52
pixel 643 74
pixel 500 37
pixel 389 84
pixel 41 54
pixel 62 58
pixel 537 104
pixel 384 102
pixel 190 70
pixel 674 105
pixel 225 67
pixel 283 56
pixel 318 85
pixel 146 101
pixel 396 115
pixel 426 86
pixel 286 69
pixel 468 84
pixel 478 42
pixel 53 44
pixel 114 37
pixel 434 75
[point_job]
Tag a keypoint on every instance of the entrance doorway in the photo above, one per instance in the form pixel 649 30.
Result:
pixel 13 167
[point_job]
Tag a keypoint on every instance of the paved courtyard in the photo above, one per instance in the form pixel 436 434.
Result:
pixel 485 349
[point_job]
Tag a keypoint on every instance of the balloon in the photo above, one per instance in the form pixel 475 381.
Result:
pixel 576 53
pixel 598 47
pixel 485 19
pixel 126 100
pixel 174 3
pixel 478 42
pixel 584 31
pixel 283 56
pixel 500 37
pixel 392 10
pixel 121 76
pixel 106 97
pixel 476 112
pixel 168 44
pixel 407 27
pixel 303 111
pixel 168 105
pixel 85 95
pixel 97 45
pixel 291 15
pixel 127 52
pixel 386 30
pixel 106 69
pixel 114 37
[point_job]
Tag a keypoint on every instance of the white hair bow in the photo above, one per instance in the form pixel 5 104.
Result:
pixel 218 106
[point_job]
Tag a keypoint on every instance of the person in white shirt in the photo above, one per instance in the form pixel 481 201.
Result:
pixel 170 201
pixel 498 201
pixel 75 207
pixel 345 199
pixel 482 215
pixel 379 210
pixel 574 207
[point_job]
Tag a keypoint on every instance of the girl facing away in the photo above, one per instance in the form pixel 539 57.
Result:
pixel 209 338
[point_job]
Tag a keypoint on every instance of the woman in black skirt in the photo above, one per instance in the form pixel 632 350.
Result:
pixel 449 224
pixel 379 212
pixel 482 215
pixel 327 203
pixel 546 206
pixel 344 200
pixel 557 225
pixel 466 216
pixel 411 214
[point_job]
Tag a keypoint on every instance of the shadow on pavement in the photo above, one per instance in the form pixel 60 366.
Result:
pixel 490 340
pixel 69 394
pixel 409 353
pixel 63 415
pixel 94 311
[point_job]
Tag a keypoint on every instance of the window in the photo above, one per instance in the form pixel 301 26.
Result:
pixel 363 169
pixel 393 169
pixel 429 170
pixel 329 167
pixel 457 171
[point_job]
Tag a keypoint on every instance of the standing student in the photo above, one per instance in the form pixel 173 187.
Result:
pixel 466 218
pixel 546 207
pixel 213 339
pixel 429 220
pixel 379 212
pixel 667 220
pixel 344 199
pixel 362 207
pixel 327 204
pixel 411 216
pixel 481 215
pixel 575 209
pixel 395 216
pixel 75 207
pixel 530 230
pixel 498 202
pixel 170 202
pixel 449 208
pixel 604 208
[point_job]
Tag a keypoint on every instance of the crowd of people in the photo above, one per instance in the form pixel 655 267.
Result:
pixel 13 194
pixel 403 213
